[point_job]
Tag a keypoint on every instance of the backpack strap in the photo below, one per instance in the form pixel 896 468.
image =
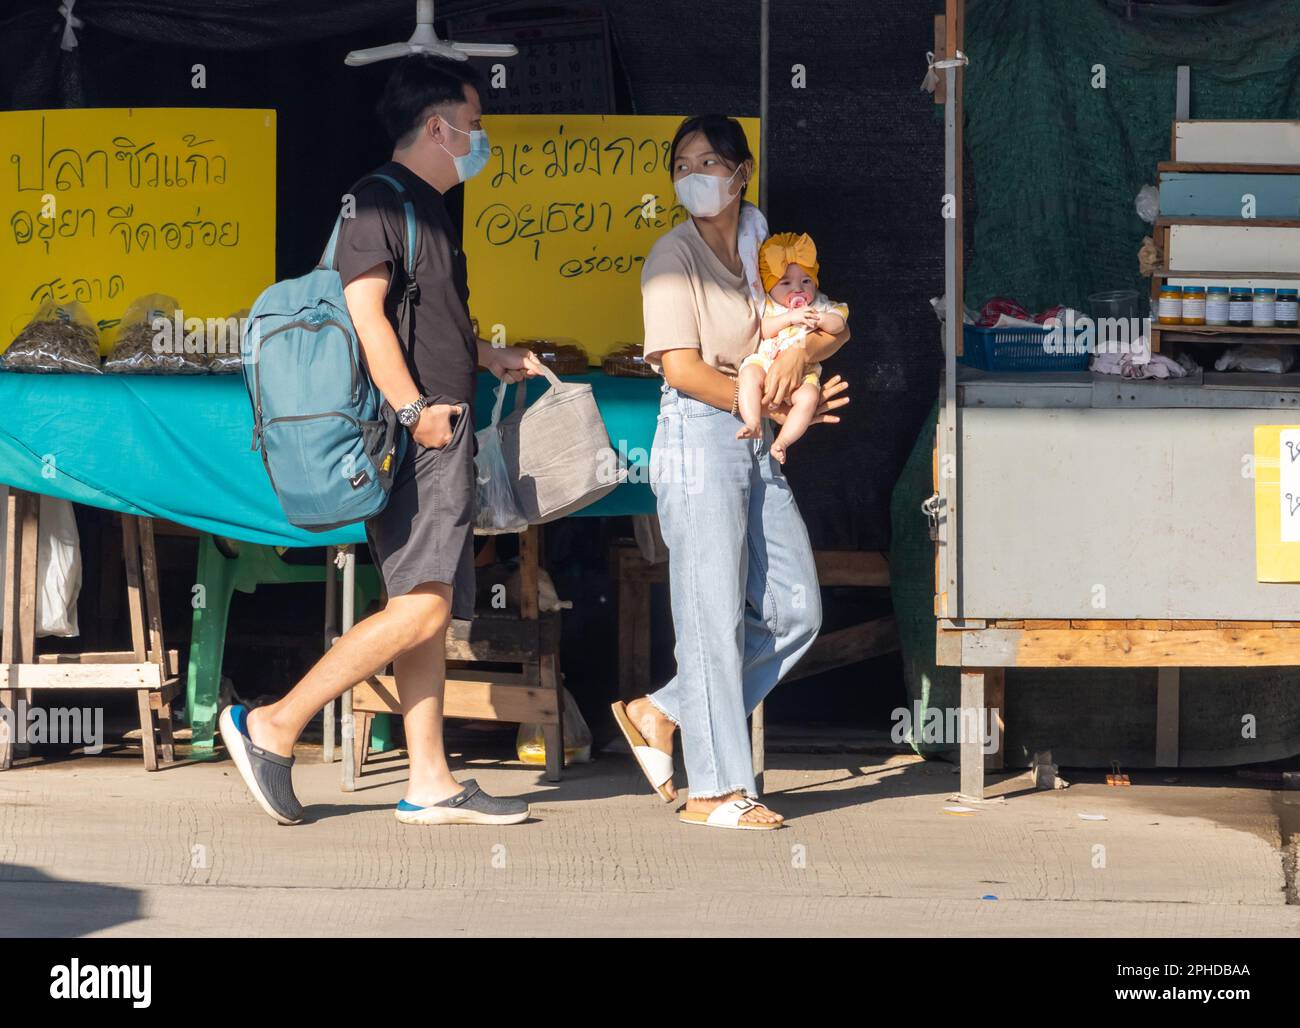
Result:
pixel 412 290
pixel 327 258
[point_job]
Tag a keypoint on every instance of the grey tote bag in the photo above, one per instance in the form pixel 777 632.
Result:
pixel 558 451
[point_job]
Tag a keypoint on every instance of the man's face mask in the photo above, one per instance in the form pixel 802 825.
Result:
pixel 470 164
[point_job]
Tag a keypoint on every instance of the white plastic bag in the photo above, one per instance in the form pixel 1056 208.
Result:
pixel 497 509
pixel 530 742
pixel 1265 357
pixel 58 564
pixel 548 600
pixel 1147 204
pixel 649 538
pixel 58 569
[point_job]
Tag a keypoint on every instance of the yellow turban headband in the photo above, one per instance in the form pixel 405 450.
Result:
pixel 782 250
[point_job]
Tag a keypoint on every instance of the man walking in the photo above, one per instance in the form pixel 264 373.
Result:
pixel 422 541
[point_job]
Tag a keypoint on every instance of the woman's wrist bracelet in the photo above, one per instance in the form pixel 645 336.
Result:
pixel 735 399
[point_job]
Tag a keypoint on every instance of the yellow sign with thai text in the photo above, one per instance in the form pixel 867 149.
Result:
pixel 104 205
pixel 558 225
pixel 1277 503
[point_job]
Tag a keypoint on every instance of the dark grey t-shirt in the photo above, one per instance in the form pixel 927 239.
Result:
pixel 444 358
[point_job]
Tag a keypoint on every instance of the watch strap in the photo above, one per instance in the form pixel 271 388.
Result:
pixel 415 407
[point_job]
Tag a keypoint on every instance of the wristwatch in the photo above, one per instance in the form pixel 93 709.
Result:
pixel 409 415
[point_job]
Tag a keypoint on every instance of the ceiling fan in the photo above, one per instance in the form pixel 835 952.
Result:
pixel 425 41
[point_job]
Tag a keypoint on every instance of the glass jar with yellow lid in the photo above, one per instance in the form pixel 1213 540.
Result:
pixel 1169 305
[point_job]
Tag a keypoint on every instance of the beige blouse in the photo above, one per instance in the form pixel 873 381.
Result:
pixel 691 300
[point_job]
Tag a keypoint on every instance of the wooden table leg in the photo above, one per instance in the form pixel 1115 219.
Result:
pixel 553 734
pixel 361 723
pixel 135 602
pixel 152 601
pixel 627 627
pixel 25 514
pixel 640 655
pixel 995 702
pixel 27 598
pixel 29 508
pixel 9 627
pixel 633 622
pixel 530 545
pixel 146 730
pixel 546 671
pixel 159 713
pixel 165 736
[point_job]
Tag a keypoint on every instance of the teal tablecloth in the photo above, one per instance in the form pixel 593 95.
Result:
pixel 178 447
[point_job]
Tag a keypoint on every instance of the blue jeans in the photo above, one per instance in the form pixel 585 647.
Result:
pixel 745 600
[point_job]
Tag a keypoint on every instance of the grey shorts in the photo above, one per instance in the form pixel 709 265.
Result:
pixel 426 531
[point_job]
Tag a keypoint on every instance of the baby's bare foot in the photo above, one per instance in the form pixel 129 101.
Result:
pixel 750 430
pixel 778 451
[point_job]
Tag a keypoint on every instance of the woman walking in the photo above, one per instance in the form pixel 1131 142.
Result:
pixel 745 599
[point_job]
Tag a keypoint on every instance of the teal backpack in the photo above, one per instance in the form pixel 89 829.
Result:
pixel 330 442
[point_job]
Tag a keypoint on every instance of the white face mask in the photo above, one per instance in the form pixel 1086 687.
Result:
pixel 705 195
pixel 470 164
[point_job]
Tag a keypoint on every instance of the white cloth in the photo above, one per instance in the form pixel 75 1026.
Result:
pixel 1141 365
pixel 751 235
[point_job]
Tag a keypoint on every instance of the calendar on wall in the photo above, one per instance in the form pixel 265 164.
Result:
pixel 564 64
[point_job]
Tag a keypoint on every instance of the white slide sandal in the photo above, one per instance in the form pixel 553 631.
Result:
pixel 728 815
pixel 655 764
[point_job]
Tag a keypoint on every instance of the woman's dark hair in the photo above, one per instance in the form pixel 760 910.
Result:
pixel 416 84
pixel 724 134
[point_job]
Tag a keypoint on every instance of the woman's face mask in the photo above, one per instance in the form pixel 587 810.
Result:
pixel 705 195
pixel 470 164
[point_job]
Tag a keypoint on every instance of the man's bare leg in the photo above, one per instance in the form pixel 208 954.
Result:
pixel 749 384
pixel 411 633
pixel 803 408
pixel 421 674
pixel 365 649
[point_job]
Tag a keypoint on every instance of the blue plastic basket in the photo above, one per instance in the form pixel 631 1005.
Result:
pixel 1015 349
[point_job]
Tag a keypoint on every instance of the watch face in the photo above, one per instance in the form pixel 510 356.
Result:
pixel 408 417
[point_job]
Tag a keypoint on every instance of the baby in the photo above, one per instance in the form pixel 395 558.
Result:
pixel 792 308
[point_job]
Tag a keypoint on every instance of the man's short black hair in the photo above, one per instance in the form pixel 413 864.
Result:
pixel 417 83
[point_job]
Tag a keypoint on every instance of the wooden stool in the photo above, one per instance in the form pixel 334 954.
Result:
pixel 146 668
pixel 533 694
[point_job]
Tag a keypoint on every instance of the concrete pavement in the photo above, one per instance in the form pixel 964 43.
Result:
pixel 95 846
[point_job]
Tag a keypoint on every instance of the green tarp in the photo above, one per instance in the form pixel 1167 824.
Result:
pixel 1057 162
pixel 178 447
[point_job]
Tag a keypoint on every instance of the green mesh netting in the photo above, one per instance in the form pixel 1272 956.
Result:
pixel 1057 163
